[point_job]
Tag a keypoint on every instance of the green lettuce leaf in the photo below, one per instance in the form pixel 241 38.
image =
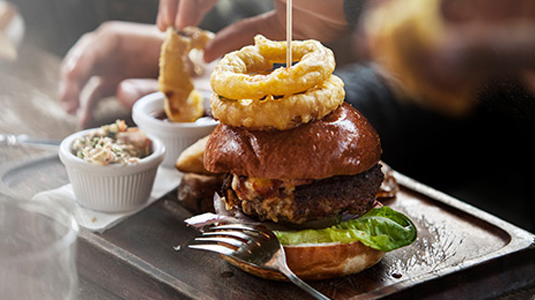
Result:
pixel 381 228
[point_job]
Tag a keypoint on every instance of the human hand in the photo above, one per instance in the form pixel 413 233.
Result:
pixel 117 58
pixel 485 38
pixel 440 53
pixel 312 19
pixel 182 13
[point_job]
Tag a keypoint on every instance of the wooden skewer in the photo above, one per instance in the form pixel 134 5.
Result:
pixel 288 33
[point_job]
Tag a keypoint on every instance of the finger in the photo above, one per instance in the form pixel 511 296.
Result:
pixel 191 12
pixel 188 14
pixel 470 54
pixel 317 12
pixel 75 70
pixel 131 90
pixel 68 94
pixel 242 33
pixel 490 11
pixel 167 10
pixel 96 89
pixel 495 48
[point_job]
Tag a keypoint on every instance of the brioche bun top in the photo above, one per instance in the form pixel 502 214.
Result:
pixel 342 143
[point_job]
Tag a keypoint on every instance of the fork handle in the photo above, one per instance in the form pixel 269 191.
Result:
pixel 303 285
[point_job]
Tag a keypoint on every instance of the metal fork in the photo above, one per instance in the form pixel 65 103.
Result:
pixel 14 140
pixel 254 245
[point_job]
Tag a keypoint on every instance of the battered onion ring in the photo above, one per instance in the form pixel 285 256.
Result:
pixel 282 113
pixel 237 74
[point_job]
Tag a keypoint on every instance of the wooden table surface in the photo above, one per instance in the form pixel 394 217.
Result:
pixel 28 97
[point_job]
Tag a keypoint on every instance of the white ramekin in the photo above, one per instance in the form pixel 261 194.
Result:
pixel 111 188
pixel 175 136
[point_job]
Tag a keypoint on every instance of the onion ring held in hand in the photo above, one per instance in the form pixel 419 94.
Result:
pixel 242 74
pixel 282 113
pixel 182 102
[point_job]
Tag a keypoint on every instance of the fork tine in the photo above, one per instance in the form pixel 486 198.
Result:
pixel 225 240
pixel 252 229
pixel 235 234
pixel 213 248
pixel 234 227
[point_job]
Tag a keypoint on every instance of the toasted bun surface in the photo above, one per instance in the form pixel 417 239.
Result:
pixel 316 262
pixel 342 143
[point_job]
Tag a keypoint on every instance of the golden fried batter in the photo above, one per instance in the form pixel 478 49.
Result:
pixel 251 91
pixel 241 74
pixel 183 103
pixel 282 113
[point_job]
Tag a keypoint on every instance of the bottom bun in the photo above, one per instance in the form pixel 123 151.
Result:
pixel 315 262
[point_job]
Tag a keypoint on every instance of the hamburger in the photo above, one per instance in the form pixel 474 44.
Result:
pixel 310 184
pixel 314 185
pixel 313 172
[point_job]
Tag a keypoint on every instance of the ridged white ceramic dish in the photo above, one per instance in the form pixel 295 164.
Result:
pixel 111 188
pixel 175 136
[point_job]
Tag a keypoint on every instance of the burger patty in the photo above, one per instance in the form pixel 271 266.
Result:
pixel 300 201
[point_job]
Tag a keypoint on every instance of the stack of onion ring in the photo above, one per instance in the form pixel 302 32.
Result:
pixel 250 92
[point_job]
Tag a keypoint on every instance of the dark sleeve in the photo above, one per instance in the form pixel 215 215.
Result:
pixel 352 11
pixel 368 93
pixel 401 125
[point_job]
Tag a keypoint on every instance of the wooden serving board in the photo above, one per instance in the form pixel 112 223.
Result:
pixel 461 252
